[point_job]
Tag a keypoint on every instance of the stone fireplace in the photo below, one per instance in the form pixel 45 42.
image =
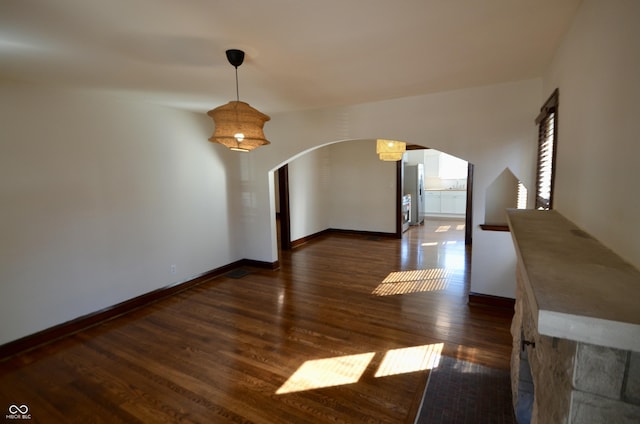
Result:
pixel 576 327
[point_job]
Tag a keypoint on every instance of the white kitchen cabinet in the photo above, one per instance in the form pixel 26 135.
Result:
pixel 431 163
pixel 453 202
pixel 460 203
pixel 432 201
pixel 445 202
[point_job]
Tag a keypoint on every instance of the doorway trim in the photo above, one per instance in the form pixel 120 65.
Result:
pixel 285 212
pixel 399 191
pixel 468 224
pixel 468 232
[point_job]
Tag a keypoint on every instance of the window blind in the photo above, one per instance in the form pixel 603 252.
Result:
pixel 547 122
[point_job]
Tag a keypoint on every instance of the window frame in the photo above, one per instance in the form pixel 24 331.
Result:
pixel 547 122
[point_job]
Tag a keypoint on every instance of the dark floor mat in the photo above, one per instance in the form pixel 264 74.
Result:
pixel 460 392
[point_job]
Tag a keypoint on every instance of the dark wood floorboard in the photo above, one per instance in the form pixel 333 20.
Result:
pixel 224 351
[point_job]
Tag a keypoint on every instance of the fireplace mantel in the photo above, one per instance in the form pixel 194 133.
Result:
pixel 577 288
pixel 576 326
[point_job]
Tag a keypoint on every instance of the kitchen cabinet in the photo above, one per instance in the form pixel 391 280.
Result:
pixel 460 202
pixel 431 163
pixel 453 201
pixel 432 202
pixel 445 202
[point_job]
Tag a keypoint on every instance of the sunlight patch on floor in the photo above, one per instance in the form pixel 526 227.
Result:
pixel 341 370
pixel 442 243
pixel 410 359
pixel 408 287
pixel 443 228
pixel 431 243
pixel 417 274
pixel 327 372
pixel 416 281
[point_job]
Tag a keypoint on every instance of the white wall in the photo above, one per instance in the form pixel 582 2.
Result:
pixel 98 198
pixel 501 195
pixel 363 188
pixel 492 127
pixel 597 70
pixel 414 157
pixel 342 186
pixel 309 195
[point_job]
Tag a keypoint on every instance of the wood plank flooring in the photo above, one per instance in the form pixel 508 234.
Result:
pixel 344 332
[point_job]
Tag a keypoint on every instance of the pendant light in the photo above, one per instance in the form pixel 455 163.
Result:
pixel 238 126
pixel 390 150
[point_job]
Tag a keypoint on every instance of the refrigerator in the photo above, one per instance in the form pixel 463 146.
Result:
pixel 414 186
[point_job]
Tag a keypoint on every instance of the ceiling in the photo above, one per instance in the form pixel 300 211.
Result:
pixel 299 54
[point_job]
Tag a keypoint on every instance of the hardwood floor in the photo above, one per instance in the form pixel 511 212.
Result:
pixel 344 332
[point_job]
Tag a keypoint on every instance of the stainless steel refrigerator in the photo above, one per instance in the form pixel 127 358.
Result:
pixel 414 185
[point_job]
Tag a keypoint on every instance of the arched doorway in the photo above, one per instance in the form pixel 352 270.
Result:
pixel 362 162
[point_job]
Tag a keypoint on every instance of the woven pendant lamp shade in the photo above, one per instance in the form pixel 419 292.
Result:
pixel 238 126
pixel 390 150
pixel 391 156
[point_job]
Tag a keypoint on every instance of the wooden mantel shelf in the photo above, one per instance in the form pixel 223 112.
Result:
pixel 578 289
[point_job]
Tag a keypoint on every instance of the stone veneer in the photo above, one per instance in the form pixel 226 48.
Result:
pixel 570 381
pixel 574 382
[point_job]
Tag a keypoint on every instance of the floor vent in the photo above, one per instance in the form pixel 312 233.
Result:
pixel 372 238
pixel 237 273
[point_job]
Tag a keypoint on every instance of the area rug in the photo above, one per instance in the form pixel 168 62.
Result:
pixel 460 392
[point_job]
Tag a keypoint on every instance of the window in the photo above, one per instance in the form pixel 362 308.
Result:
pixel 547 122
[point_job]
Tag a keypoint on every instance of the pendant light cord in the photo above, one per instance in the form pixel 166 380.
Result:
pixel 237 90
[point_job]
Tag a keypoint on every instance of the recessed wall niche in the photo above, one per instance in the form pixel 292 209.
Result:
pixel 505 192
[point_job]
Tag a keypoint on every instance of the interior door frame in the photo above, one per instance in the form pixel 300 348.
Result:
pixel 285 211
pixel 468 224
pixel 399 191
pixel 468 228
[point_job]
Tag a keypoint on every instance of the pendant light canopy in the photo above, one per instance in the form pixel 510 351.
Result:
pixel 390 150
pixel 238 126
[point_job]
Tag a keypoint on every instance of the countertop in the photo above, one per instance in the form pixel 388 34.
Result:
pixel 579 289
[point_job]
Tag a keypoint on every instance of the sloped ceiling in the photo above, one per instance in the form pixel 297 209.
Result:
pixel 300 54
